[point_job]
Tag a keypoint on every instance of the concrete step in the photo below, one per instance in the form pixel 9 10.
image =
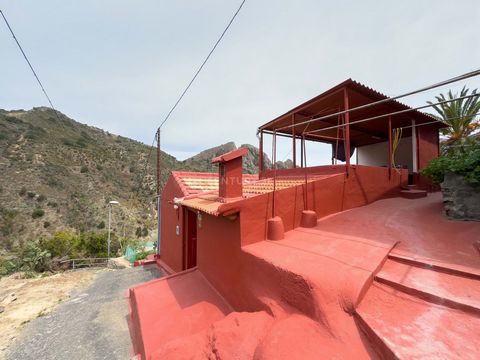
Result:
pixel 413 194
pixel 403 326
pixel 450 290
pixel 454 269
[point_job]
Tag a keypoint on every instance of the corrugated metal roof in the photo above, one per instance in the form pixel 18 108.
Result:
pixel 356 86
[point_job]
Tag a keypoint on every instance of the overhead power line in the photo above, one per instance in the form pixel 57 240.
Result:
pixel 30 65
pixel 200 68
pixel 203 64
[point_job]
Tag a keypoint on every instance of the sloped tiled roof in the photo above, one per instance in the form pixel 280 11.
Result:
pixel 200 190
pixel 193 183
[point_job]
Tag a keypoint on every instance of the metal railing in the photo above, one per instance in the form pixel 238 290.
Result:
pixel 86 262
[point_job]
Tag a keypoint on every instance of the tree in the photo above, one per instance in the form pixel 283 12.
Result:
pixel 459 114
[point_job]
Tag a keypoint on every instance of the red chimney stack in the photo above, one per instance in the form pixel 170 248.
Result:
pixel 230 172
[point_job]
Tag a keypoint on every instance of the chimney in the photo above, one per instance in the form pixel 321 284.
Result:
pixel 230 182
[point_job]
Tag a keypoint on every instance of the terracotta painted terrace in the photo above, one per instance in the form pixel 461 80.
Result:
pixel 350 260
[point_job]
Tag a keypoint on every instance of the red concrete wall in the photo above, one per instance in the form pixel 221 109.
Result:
pixel 427 145
pixel 327 196
pixel 246 281
pixel 171 247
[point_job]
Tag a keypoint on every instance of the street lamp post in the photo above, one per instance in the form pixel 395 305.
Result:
pixel 113 202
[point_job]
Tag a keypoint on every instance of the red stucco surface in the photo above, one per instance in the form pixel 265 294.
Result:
pixel 337 290
pixel 172 246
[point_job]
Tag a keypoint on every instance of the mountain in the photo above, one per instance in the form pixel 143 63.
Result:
pixel 203 161
pixel 56 173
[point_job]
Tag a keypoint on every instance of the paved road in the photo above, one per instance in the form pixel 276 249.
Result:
pixel 91 325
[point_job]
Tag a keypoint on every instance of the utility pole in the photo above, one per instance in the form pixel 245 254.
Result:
pixel 159 210
pixel 110 203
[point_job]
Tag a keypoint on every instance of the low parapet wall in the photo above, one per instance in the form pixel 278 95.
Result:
pixel 336 193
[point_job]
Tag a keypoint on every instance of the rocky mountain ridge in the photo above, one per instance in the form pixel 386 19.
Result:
pixel 56 173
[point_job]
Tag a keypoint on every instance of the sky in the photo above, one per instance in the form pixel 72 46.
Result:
pixel 121 65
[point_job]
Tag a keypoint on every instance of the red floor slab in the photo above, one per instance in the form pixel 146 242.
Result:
pixel 418 225
pixel 415 329
pixel 173 307
pixel 462 292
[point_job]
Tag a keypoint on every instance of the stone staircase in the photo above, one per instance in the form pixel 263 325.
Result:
pixel 415 311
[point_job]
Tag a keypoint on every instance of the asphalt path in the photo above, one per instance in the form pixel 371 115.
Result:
pixel 92 324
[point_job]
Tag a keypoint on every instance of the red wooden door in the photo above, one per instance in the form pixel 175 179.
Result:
pixel 191 239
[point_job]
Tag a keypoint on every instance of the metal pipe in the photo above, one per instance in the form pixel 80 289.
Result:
pixel 294 144
pixel 429 87
pixel 346 146
pixel 389 147
pixel 274 157
pixel 260 156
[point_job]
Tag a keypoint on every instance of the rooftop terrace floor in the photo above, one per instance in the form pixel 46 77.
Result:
pixel 423 233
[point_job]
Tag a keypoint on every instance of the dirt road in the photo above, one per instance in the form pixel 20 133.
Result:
pixel 90 325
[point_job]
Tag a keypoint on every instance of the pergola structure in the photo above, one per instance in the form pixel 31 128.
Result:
pixel 350 115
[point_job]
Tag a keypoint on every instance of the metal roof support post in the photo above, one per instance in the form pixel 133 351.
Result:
pixel 302 146
pixel 389 148
pixel 274 158
pixel 260 155
pixel 347 131
pixel 304 155
pixel 294 151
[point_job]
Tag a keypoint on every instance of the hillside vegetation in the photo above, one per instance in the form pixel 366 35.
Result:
pixel 59 175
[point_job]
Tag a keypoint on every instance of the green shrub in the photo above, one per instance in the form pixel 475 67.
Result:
pixel 143 254
pixel 22 191
pixel 46 224
pixel 84 169
pixel 62 244
pixel 81 142
pixel 30 194
pixel 29 258
pixel 7 216
pixel 68 142
pixel 52 204
pixel 95 244
pixel 41 198
pixel 38 213
pixel 101 225
pixel 33 258
pixel 464 162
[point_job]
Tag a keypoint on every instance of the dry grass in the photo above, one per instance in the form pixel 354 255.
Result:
pixel 34 298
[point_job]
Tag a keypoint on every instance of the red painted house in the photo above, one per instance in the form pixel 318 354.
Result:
pixel 305 263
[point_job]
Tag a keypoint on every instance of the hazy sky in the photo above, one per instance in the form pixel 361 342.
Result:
pixel 120 65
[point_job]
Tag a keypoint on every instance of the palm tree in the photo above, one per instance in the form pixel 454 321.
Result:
pixel 459 114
